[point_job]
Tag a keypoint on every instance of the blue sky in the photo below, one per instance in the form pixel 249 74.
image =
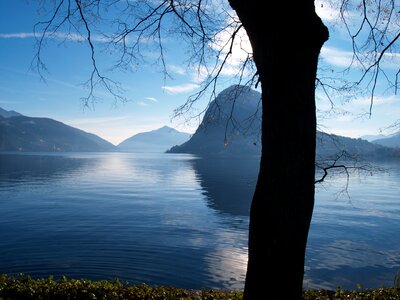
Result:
pixel 152 97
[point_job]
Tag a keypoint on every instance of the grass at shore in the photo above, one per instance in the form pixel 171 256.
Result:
pixel 24 287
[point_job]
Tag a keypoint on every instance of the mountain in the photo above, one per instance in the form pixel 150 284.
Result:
pixel 231 126
pixel 330 146
pixel 371 137
pixel 21 133
pixel 234 116
pixel 390 141
pixel 8 114
pixel 158 140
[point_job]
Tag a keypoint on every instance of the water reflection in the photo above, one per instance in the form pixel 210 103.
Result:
pixel 228 183
pixel 354 235
pixel 142 218
pixel 180 220
pixel 354 238
pixel 228 263
pixel 38 168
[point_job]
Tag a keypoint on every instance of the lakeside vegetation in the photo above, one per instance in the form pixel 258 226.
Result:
pixel 24 287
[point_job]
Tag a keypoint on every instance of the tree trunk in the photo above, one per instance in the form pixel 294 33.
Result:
pixel 286 54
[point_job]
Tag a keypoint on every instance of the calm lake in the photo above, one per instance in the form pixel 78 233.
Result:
pixel 172 219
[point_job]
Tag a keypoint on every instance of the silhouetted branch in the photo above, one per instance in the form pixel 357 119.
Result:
pixel 326 166
pixel 343 163
pixel 372 41
pixel 38 57
pixel 143 24
pixel 96 77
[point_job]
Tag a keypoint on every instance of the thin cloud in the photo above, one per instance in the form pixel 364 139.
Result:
pixel 73 37
pixel 21 35
pixel 176 69
pixel 235 54
pixel 180 89
pixel 379 100
pixel 152 99
pixel 142 103
pixel 90 121
pixel 391 60
pixel 200 74
pixel 344 59
pixel 336 57
pixel 240 49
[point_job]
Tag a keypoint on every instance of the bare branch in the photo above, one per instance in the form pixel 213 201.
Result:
pixel 372 41
pixel 343 164
pixel 96 77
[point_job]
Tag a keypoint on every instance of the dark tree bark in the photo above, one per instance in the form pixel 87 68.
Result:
pixel 286 54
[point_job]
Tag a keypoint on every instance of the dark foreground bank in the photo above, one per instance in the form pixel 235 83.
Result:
pixel 24 287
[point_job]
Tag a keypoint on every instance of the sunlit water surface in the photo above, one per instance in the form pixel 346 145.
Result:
pixel 180 220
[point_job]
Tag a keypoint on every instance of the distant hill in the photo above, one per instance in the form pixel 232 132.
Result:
pixel 240 121
pixel 158 140
pixel 391 141
pixel 8 114
pixel 231 125
pixel 21 133
pixel 372 137
pixel 330 145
